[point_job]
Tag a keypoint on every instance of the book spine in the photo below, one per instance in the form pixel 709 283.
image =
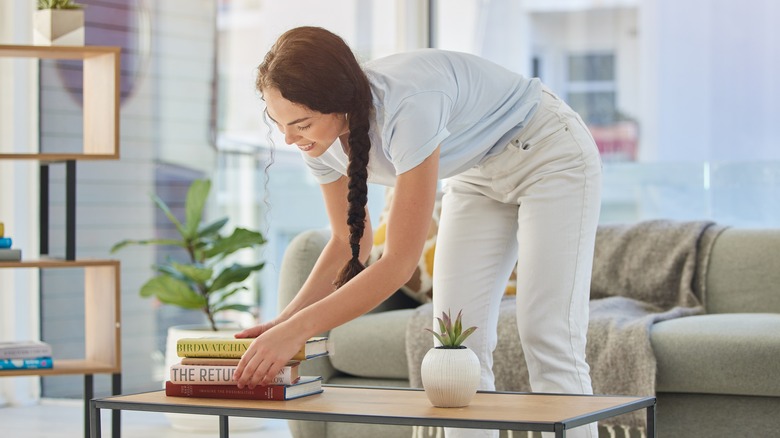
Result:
pixel 211 348
pixel 225 391
pixel 21 364
pixel 24 352
pixel 10 255
pixel 218 375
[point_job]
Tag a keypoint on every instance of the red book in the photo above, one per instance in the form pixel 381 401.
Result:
pixel 306 385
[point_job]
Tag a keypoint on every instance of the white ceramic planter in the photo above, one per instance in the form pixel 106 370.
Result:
pixel 58 27
pixel 202 423
pixel 450 376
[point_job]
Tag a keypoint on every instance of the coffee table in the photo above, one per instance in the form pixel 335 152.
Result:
pixel 488 410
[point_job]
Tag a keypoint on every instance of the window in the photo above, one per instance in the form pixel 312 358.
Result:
pixel 682 99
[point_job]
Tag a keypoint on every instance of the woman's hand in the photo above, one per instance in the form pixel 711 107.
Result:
pixel 267 354
pixel 256 331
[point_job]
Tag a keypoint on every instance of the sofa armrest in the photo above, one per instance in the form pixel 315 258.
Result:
pixel 297 263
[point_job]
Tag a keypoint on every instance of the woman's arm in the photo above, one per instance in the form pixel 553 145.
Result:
pixel 407 229
pixel 319 283
pixel 337 251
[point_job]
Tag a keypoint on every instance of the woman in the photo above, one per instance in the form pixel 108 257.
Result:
pixel 522 184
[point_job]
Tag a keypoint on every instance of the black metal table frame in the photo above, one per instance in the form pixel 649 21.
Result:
pixel 559 428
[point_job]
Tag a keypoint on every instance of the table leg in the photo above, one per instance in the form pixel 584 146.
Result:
pixel 560 431
pixel 89 392
pixel 94 421
pixel 651 421
pixel 223 426
pixel 116 389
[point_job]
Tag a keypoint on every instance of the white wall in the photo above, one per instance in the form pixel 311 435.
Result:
pixel 714 69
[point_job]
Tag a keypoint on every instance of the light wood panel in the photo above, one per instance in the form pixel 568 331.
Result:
pixel 102 320
pixel 101 99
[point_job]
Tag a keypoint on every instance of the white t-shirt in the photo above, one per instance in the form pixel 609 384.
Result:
pixel 426 98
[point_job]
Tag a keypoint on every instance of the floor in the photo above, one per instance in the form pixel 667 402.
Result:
pixel 53 418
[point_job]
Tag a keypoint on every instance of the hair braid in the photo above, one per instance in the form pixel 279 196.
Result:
pixel 357 172
pixel 316 68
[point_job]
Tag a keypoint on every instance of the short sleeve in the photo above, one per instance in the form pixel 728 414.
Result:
pixel 323 173
pixel 415 128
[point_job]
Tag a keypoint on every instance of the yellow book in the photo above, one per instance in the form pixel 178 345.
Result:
pixel 235 348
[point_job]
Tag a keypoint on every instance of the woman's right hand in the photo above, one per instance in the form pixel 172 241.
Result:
pixel 257 330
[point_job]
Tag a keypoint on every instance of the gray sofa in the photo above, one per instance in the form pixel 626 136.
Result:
pixel 718 373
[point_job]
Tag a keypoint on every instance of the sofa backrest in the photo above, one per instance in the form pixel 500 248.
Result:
pixel 744 272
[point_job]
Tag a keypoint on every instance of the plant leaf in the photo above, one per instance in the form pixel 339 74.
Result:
pixel 438 336
pixel 227 295
pixel 233 274
pixel 464 335
pixel 170 290
pixel 197 274
pixel 193 207
pixel 164 207
pixel 458 325
pixel 241 238
pixel 124 243
pixel 212 228
pixel 442 326
pixel 238 307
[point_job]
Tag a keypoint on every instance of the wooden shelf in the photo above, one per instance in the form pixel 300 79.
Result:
pixel 59 263
pixel 101 98
pixel 65 367
pixel 102 298
pixel 102 326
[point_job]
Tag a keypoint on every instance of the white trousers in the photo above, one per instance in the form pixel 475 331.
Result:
pixel 536 204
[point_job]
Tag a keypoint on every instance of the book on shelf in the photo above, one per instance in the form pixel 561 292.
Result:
pixel 24 349
pixel 223 374
pixel 28 364
pixel 306 385
pixel 235 348
pixel 10 255
pixel 6 242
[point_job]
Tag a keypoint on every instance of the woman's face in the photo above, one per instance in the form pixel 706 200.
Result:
pixel 312 131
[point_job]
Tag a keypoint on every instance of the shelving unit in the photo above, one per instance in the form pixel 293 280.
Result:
pixel 102 322
pixel 101 99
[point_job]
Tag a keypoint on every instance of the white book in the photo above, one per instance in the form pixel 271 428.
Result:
pixel 223 374
pixel 24 349
pixel 10 255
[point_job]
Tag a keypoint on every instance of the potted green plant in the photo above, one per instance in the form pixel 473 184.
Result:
pixel 58 23
pixel 450 372
pixel 206 281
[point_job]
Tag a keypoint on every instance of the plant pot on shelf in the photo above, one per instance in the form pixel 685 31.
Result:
pixel 58 27
pixel 450 376
pixel 202 423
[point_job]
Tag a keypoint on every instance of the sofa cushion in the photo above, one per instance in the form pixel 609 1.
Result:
pixel 732 354
pixel 743 273
pixel 372 345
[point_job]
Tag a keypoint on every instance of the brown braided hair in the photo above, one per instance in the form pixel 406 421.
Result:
pixel 313 67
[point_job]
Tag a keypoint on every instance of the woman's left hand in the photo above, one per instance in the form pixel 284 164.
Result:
pixel 267 354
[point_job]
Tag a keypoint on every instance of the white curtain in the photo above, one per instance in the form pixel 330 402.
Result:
pixel 19 316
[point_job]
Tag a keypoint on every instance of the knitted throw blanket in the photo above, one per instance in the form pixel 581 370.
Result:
pixel 643 273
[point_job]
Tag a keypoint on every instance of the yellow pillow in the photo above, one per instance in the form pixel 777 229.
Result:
pixel 420 286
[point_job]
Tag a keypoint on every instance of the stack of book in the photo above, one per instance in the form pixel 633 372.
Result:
pixel 8 254
pixel 207 367
pixel 19 355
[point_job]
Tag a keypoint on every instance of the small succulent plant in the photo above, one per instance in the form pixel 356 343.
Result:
pixel 451 333
pixel 58 4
